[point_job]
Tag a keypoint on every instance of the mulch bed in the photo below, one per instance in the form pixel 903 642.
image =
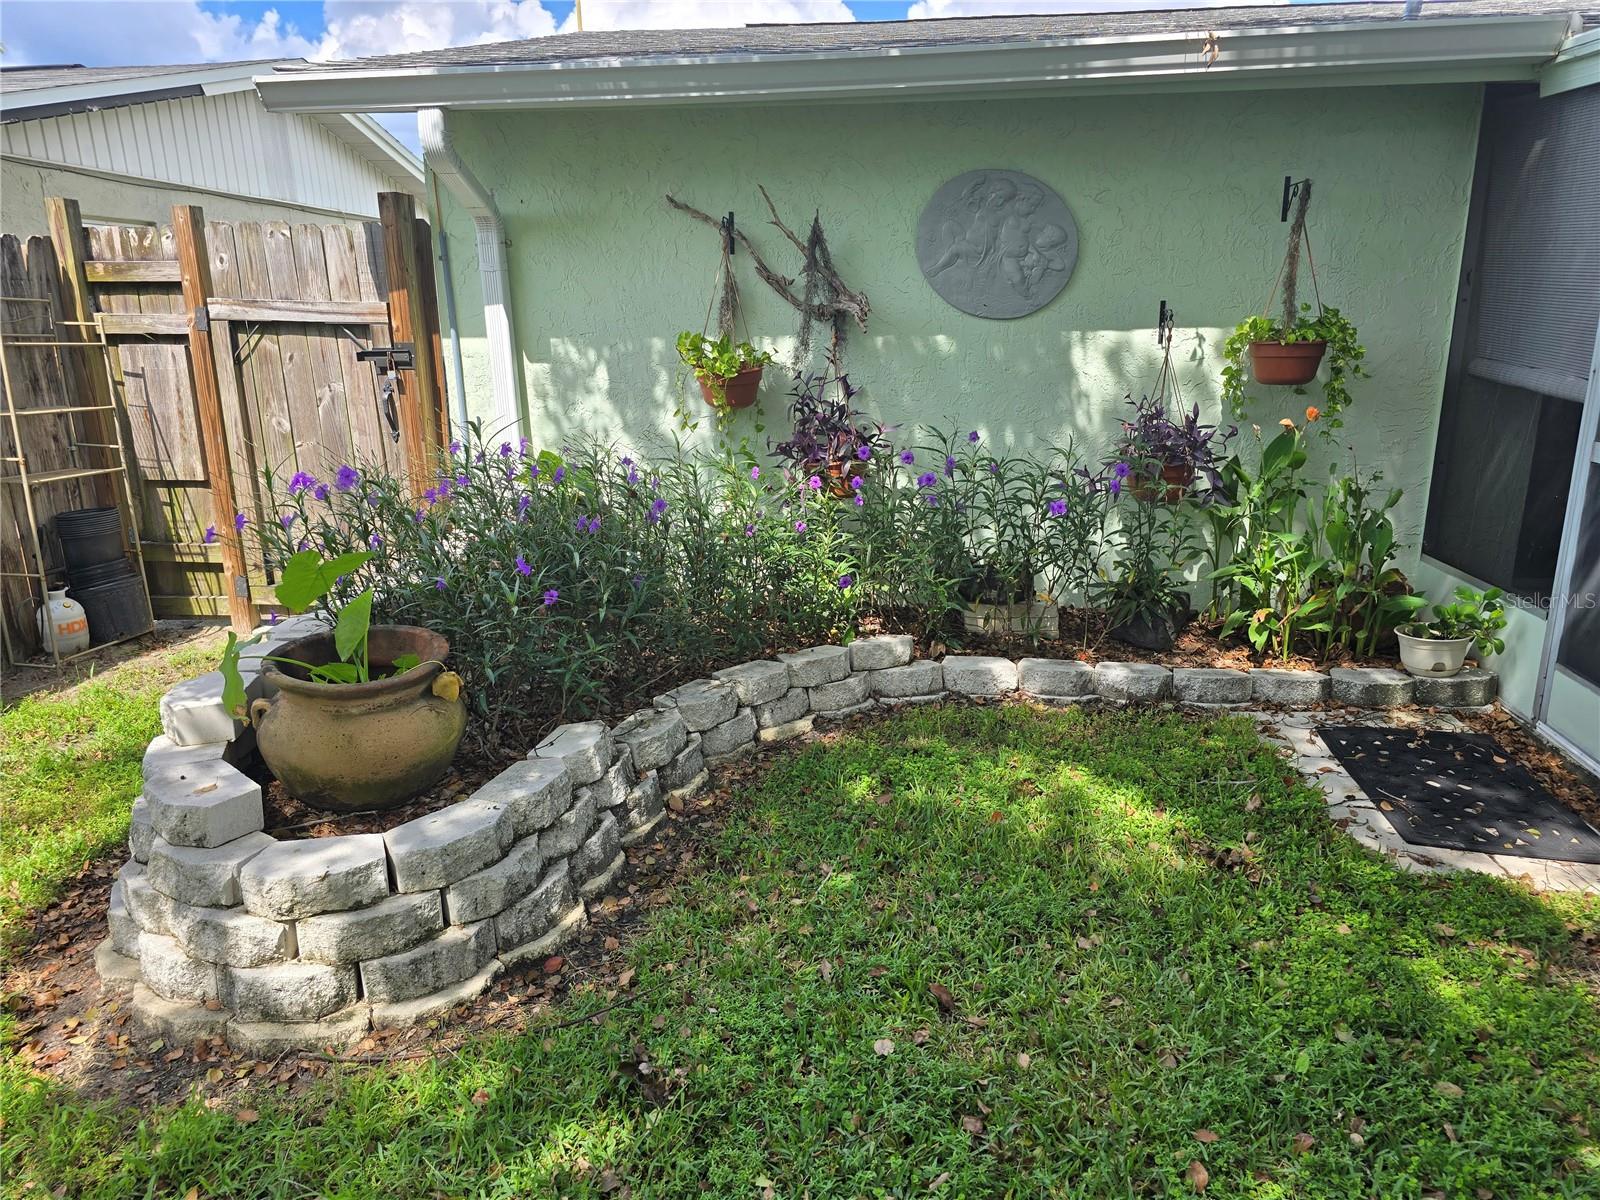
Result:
pixel 289 819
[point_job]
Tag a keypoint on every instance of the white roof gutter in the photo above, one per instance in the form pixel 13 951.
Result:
pixel 493 272
pixel 1434 50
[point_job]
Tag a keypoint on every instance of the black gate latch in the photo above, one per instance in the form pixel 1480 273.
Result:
pixel 390 360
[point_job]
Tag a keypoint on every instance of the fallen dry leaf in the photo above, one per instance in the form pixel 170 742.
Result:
pixel 247 1116
pixel 883 1047
pixel 943 995
pixel 1302 1143
pixel 1197 1175
pixel 1205 1136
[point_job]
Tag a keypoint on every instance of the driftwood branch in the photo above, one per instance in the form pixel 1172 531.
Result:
pixel 848 303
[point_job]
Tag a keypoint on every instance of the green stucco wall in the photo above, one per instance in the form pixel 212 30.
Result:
pixel 1176 197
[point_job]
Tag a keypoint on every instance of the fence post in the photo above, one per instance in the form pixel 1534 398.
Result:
pixel 65 221
pixel 189 231
pixel 416 392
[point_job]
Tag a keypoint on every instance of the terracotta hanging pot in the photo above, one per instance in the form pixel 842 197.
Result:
pixel 738 391
pixel 840 473
pixel 1286 363
pixel 1175 476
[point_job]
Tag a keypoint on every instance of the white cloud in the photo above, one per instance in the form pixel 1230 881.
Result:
pixel 700 14
pixel 923 9
pixel 140 32
pixel 357 28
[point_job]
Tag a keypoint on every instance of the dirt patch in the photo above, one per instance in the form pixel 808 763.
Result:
pixel 289 819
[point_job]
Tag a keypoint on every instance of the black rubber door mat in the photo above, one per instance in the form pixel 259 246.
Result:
pixel 1459 791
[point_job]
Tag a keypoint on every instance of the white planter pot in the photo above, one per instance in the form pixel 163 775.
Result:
pixel 1433 656
pixel 1042 620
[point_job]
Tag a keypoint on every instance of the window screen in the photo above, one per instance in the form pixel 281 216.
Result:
pixel 1523 340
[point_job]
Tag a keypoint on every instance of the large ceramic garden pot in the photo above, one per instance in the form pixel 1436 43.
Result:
pixel 352 747
pixel 1440 657
pixel 1287 363
pixel 738 391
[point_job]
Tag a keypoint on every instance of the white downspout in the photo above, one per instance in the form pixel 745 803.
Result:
pixel 493 273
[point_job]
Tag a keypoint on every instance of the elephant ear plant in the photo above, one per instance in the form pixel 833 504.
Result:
pixel 307 578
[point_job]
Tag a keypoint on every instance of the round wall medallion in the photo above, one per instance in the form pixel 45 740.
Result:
pixel 997 243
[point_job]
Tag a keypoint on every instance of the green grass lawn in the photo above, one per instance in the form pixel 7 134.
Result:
pixel 69 772
pixel 1148 962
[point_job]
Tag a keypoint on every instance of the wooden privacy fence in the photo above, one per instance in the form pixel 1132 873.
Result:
pixel 233 348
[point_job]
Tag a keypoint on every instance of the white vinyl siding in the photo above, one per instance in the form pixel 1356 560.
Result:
pixel 225 143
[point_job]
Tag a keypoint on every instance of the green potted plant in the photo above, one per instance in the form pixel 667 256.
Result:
pixel 728 372
pixel 1290 354
pixel 1439 645
pixel 361 717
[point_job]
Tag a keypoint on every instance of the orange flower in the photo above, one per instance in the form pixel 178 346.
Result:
pixel 1286 423
pixel 1313 413
pixel 1262 614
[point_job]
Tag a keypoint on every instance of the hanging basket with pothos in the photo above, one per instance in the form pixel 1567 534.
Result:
pixel 1287 350
pixel 728 372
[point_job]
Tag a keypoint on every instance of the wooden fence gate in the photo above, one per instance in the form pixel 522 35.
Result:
pixel 233 347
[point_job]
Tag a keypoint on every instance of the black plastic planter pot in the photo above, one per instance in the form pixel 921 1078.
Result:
pixel 89 536
pixel 115 610
pixel 1155 629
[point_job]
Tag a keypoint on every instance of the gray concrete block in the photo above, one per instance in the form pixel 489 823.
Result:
pixel 611 789
pixel 202 803
pixel 536 790
pixel 732 735
pixel 701 703
pixel 685 766
pixel 848 693
pixel 163 755
pixel 1055 678
pixel 391 925
pixel 880 653
pixel 1211 685
pixel 1371 687
pixel 435 850
pixel 193 713
pixel 643 803
pixel 151 910
pixel 268 1039
pixel 315 875
pixel 1471 687
pixel 922 678
pixel 1293 689
pixel 817 665
pixel 230 936
pixel 782 733
pixel 172 974
pixel 595 856
pixel 654 737
pixel 569 830
pixel 204 875
pixel 756 683
pixel 911 701
pixel 400 1014
pixel 533 917
pixel 791 706
pixel 292 991
pixel 486 892
pixel 585 748
pixel 122 929
pixel 140 830
pixel 1131 681
pixel 176 1022
pixel 456 954
pixel 117 970
pixel 979 675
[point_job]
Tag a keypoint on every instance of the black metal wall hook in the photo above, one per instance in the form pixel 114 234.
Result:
pixel 1291 189
pixel 727 231
pixel 1166 318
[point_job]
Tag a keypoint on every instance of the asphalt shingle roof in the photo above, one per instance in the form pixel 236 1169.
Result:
pixel 865 36
pixel 33 79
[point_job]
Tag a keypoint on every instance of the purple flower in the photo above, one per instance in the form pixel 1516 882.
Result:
pixel 510 474
pixel 755 472
pixel 550 597
pixel 286 519
pixel 633 475
pixel 522 566
pixel 301 481
pixel 994 467
pixel 439 583
pixel 860 499
pixel 1058 508
pixel 845 581
pixel 346 478
pixel 933 500
pixel 973 437
pixel 211 535
pixel 658 507
pixel 431 496
pixel 863 452
pixel 927 479
pixel 1115 486
pixel 524 501
pixel 638 580
pixel 522 447
pixel 949 465
pixel 320 491
pixel 799 526
pixel 239 522
pixel 907 457
pixel 814 483
pixel 374 542
pixel 561 473
pixel 444 488
pixel 505 449
pixel 626 461
pixel 455 447
pixel 533 471
pixel 749 531
pixel 273 618
pixel 462 481
pixel 1120 470
pixel 418 517
pixel 478 458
